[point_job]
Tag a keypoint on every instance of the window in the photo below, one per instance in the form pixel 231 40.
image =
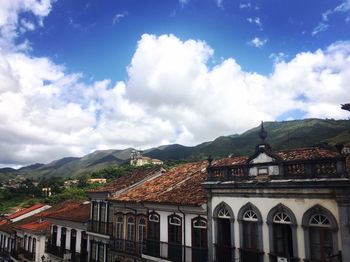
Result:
pixel 320 232
pixel 282 218
pixel 142 229
pixel 174 238
pixel 199 239
pixel 224 213
pixel 250 223
pixel 63 237
pixel 321 245
pixel 250 230
pixel 153 235
pixel 94 211
pixel 73 240
pixel 130 228
pixel 119 226
pixel 54 236
pixel 103 212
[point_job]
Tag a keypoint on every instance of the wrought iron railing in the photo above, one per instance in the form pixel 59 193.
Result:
pixel 248 255
pixel 224 253
pixel 274 258
pixel 126 246
pixel 55 250
pixel 104 228
pixel 174 252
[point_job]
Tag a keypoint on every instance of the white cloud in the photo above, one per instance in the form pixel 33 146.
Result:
pixel 245 5
pixel 257 42
pixel 171 95
pixel 321 27
pixel 255 20
pixel 344 7
pixel 118 17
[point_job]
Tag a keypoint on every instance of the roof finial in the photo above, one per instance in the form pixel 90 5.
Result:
pixel 262 133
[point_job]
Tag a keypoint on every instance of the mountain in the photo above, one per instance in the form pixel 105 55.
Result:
pixel 281 136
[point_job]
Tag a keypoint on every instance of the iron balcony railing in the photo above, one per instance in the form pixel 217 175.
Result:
pixel 55 250
pixel 274 258
pixel 224 253
pixel 126 246
pixel 104 228
pixel 248 255
pixel 174 252
pixel 321 168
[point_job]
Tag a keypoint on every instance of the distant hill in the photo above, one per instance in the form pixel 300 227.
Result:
pixel 281 136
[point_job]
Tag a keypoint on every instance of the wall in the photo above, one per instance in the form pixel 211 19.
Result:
pixel 298 206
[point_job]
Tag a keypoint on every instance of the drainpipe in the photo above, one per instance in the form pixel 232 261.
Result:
pixel 184 216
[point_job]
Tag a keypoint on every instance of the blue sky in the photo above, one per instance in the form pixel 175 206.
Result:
pixel 84 35
pixel 81 75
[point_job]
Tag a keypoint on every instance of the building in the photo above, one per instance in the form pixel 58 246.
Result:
pixel 270 206
pixel 285 206
pixel 8 233
pixel 68 240
pixel 102 225
pixel 137 159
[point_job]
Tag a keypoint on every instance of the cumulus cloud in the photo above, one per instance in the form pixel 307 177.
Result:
pixel 171 95
pixel 257 42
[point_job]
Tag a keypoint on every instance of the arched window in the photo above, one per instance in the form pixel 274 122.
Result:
pixel 282 232
pixel 153 234
pixel 224 234
pixel 224 213
pixel 175 237
pixel 250 221
pixel 119 226
pixel 130 228
pixel 199 239
pixel 320 231
pixel 142 229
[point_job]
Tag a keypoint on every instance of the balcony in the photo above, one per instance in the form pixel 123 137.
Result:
pixel 248 255
pixel 322 168
pixel 224 253
pixel 174 252
pixel 55 250
pixel 104 228
pixel 274 258
pixel 126 246
pixel 15 254
pixel 28 255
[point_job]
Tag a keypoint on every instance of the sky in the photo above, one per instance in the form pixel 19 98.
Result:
pixel 84 75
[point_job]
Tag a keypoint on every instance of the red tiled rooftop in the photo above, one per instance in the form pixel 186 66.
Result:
pixel 25 211
pixel 127 180
pixel 72 211
pixel 181 186
pixel 288 155
pixel 5 226
pixel 36 222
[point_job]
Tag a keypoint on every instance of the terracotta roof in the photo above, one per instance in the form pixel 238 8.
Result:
pixel 25 211
pixel 313 153
pixel 36 223
pixel 181 186
pixel 5 226
pixel 72 211
pixel 127 180
pixel 307 154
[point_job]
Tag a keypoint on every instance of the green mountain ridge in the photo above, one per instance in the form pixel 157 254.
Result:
pixel 281 136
